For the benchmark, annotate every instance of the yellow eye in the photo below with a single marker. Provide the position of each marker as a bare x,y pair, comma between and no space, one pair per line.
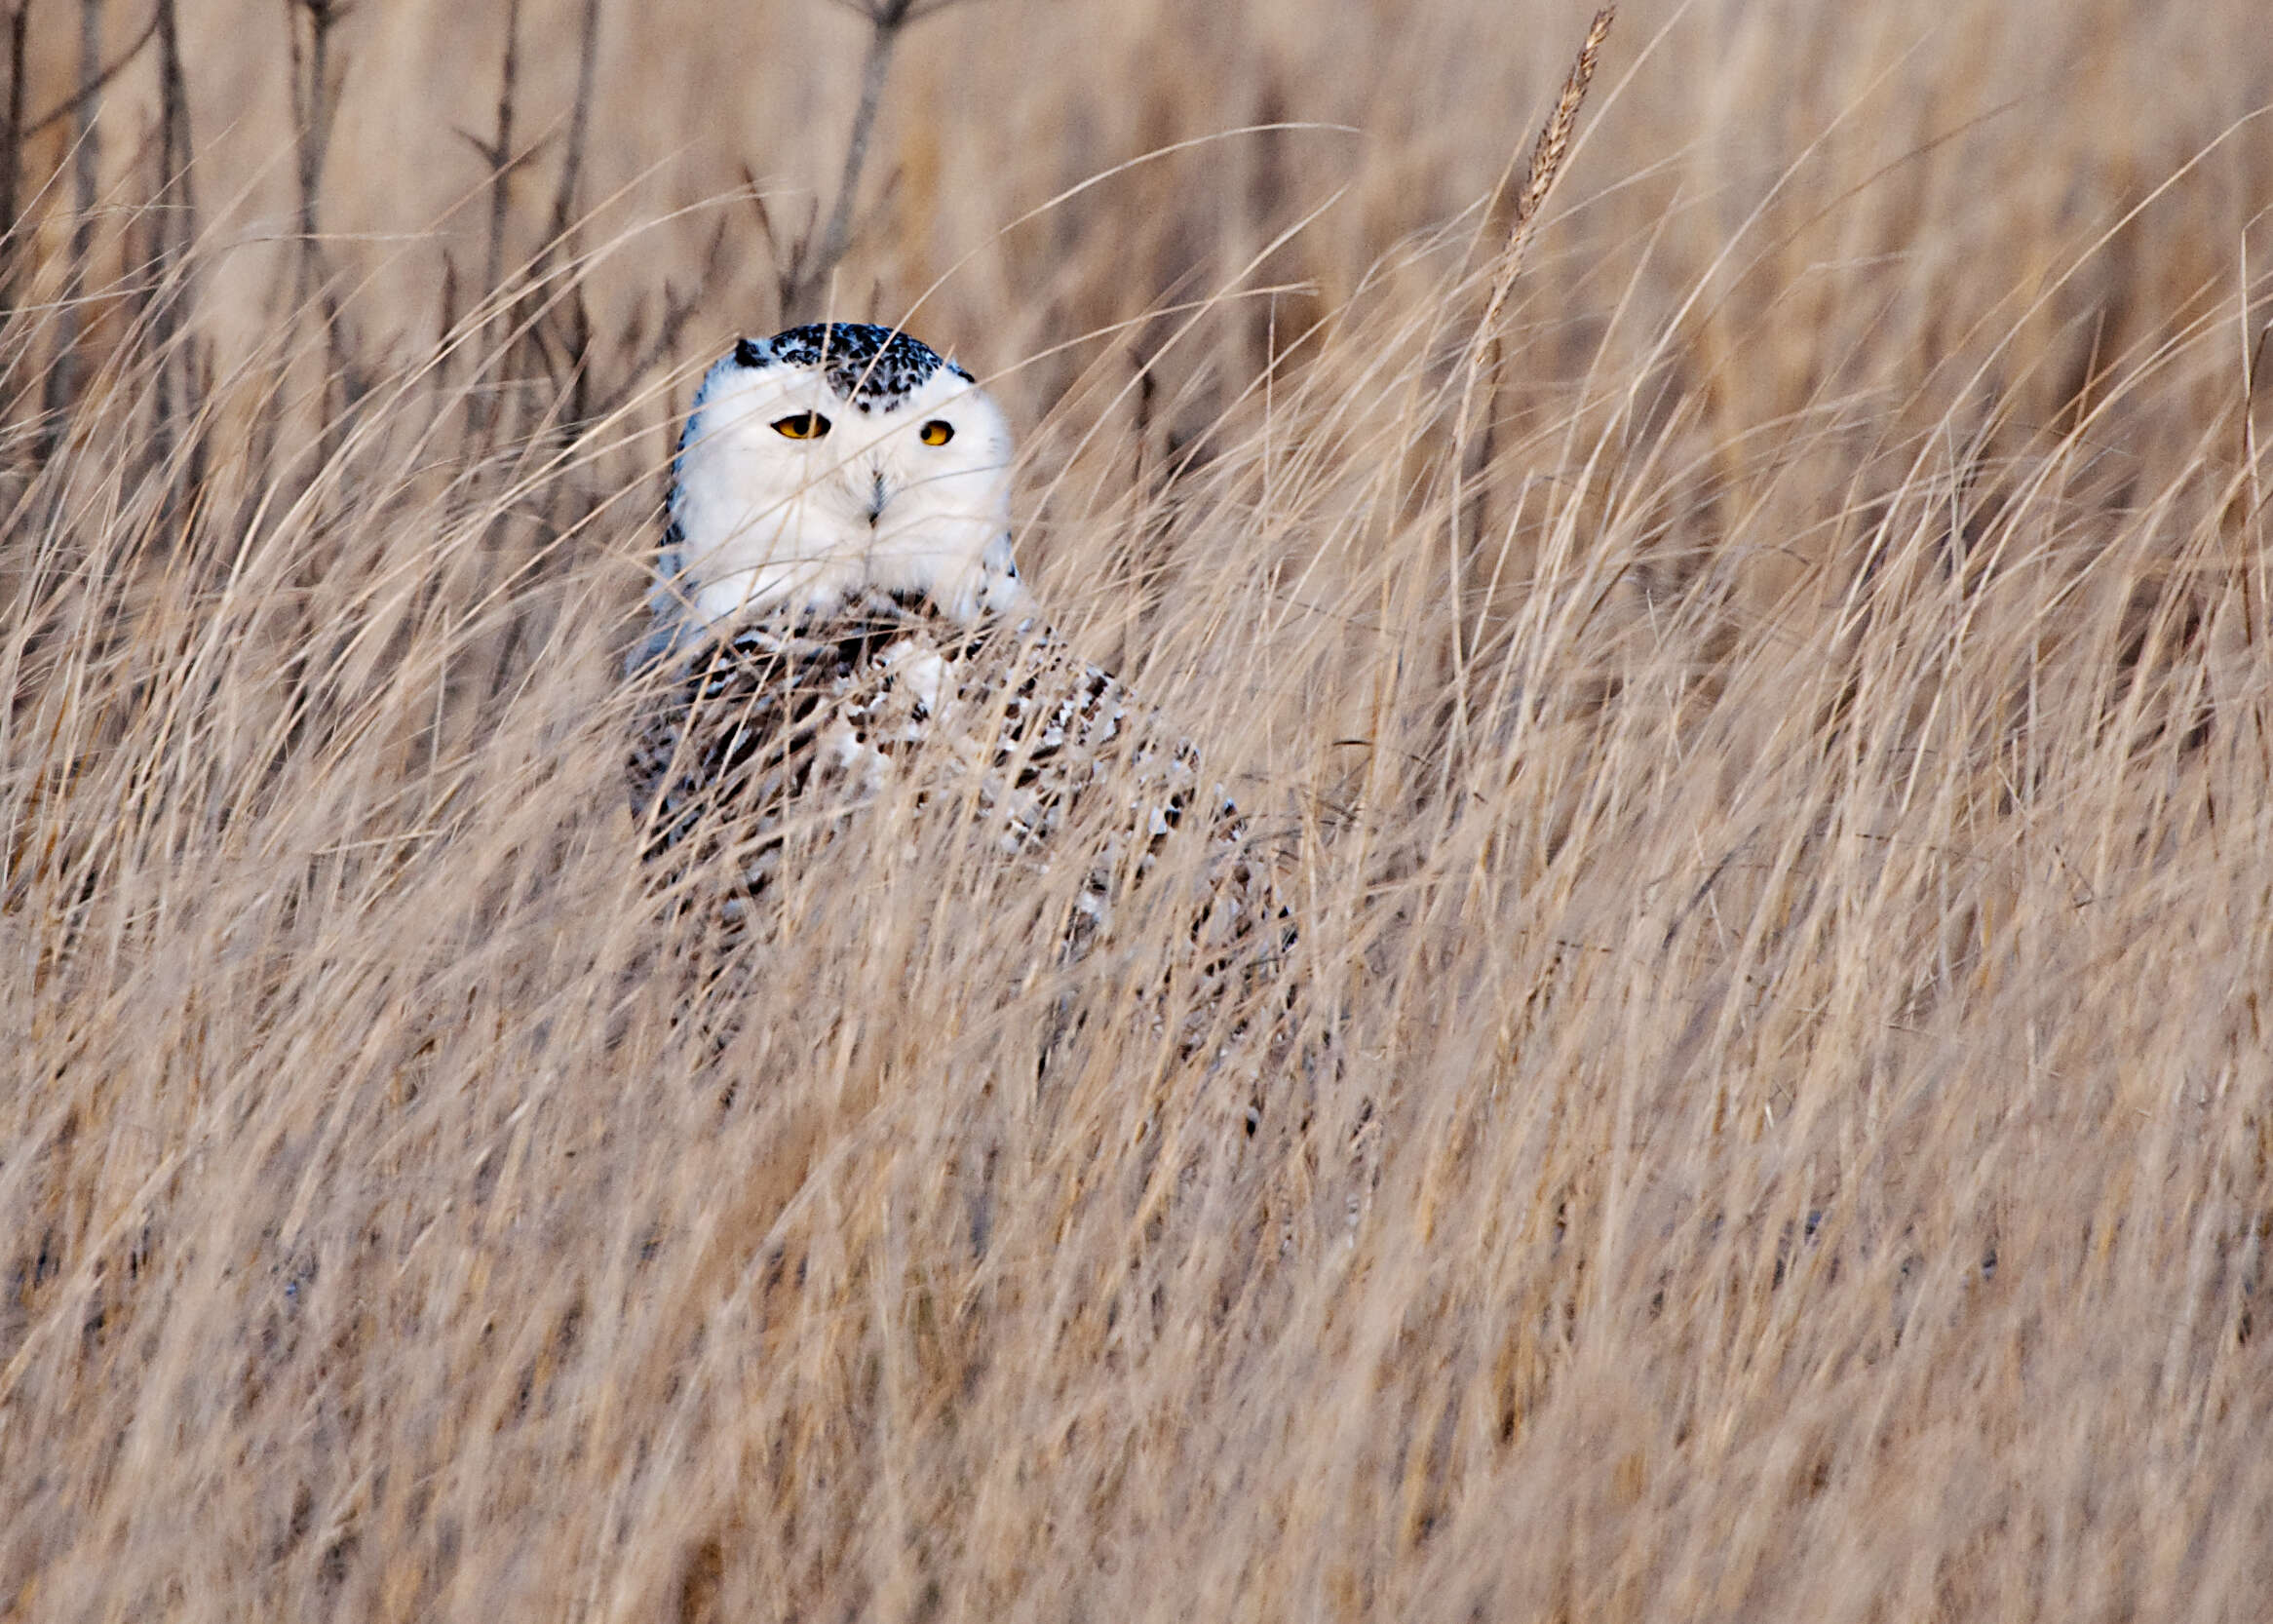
801,425
937,432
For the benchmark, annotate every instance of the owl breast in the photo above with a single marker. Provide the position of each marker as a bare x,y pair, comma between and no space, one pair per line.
823,716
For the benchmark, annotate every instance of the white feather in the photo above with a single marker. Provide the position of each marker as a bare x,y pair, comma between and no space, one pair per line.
765,521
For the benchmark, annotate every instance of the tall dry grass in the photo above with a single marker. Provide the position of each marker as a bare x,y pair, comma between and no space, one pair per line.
1774,788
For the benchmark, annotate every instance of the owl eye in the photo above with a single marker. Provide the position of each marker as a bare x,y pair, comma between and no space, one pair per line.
937,432
801,425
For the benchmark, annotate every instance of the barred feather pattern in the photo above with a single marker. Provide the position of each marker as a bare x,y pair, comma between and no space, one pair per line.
792,723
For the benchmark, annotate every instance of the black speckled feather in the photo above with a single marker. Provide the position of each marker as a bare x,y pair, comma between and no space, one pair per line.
801,720
868,366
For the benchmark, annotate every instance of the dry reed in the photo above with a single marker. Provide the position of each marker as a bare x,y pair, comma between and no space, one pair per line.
1780,1119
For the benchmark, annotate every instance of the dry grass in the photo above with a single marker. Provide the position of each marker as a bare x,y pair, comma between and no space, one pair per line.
1780,1120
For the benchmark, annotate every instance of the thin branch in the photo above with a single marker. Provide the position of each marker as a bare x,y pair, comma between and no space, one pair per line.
63,375
312,110
314,105
176,226
87,88
811,266
11,150
500,155
579,123
87,151
177,154
677,308
885,24
560,238
501,161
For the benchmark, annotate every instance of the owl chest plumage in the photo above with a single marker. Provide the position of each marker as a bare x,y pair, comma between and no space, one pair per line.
794,723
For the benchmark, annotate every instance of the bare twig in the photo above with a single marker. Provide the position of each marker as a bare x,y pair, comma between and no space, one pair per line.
315,103
12,149
2252,463
312,110
561,237
86,88
579,122
445,328
62,377
176,226
500,156
677,308
176,153
86,153
884,24
805,279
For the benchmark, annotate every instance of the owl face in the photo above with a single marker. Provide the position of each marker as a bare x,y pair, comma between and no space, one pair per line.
827,463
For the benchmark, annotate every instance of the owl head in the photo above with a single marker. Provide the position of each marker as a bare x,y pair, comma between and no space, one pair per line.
832,462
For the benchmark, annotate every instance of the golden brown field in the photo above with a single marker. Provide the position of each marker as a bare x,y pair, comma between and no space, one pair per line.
1772,1117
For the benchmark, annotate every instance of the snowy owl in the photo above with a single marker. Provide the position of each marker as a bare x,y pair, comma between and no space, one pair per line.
835,602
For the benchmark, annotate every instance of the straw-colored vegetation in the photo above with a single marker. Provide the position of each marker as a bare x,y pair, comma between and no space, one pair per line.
1768,736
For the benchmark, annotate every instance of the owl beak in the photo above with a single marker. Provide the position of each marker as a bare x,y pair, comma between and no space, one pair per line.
879,494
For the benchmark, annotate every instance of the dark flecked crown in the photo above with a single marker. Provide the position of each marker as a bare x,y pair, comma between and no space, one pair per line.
865,365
